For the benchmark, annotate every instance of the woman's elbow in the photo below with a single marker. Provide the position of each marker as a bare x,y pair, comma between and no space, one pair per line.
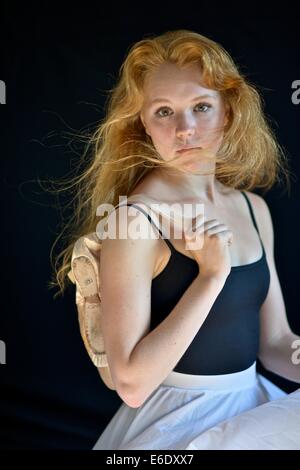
129,395
128,387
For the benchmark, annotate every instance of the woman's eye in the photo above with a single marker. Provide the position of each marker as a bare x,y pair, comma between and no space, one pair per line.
204,105
165,109
161,110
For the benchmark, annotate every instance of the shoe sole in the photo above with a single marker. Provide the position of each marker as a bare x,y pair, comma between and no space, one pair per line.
85,275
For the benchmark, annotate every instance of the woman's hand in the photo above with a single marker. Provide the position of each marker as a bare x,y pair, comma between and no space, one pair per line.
208,241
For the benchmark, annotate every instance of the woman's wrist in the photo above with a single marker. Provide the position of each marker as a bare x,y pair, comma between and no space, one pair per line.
212,280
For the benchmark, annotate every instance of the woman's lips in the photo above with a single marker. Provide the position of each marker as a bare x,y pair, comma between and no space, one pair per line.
188,150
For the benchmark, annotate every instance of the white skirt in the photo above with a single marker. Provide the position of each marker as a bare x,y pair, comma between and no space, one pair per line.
183,407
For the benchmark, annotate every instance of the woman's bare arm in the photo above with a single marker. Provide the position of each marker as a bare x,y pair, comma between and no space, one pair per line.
156,355
140,360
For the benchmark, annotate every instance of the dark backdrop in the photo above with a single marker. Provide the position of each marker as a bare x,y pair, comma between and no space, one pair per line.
56,65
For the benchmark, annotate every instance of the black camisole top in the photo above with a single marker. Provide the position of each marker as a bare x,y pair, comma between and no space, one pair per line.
228,340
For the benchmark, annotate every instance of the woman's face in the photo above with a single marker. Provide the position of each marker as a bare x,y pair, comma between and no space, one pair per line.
178,111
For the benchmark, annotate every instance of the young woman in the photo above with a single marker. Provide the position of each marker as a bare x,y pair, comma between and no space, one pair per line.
183,327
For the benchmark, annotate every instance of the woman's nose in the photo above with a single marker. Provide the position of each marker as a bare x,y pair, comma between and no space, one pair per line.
185,132
185,127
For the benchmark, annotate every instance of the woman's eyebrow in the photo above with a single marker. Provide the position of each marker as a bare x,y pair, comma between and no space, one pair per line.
159,100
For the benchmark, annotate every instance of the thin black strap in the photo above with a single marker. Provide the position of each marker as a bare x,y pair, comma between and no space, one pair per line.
151,221
253,217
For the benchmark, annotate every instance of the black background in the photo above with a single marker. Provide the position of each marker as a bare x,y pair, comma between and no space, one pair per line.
57,61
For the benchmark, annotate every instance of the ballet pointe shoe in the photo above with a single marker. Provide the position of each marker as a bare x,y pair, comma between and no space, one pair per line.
85,265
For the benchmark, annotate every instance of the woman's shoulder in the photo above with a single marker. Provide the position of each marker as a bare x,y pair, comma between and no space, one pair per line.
257,202
261,212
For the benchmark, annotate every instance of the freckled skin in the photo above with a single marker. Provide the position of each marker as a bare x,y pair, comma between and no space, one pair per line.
179,121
